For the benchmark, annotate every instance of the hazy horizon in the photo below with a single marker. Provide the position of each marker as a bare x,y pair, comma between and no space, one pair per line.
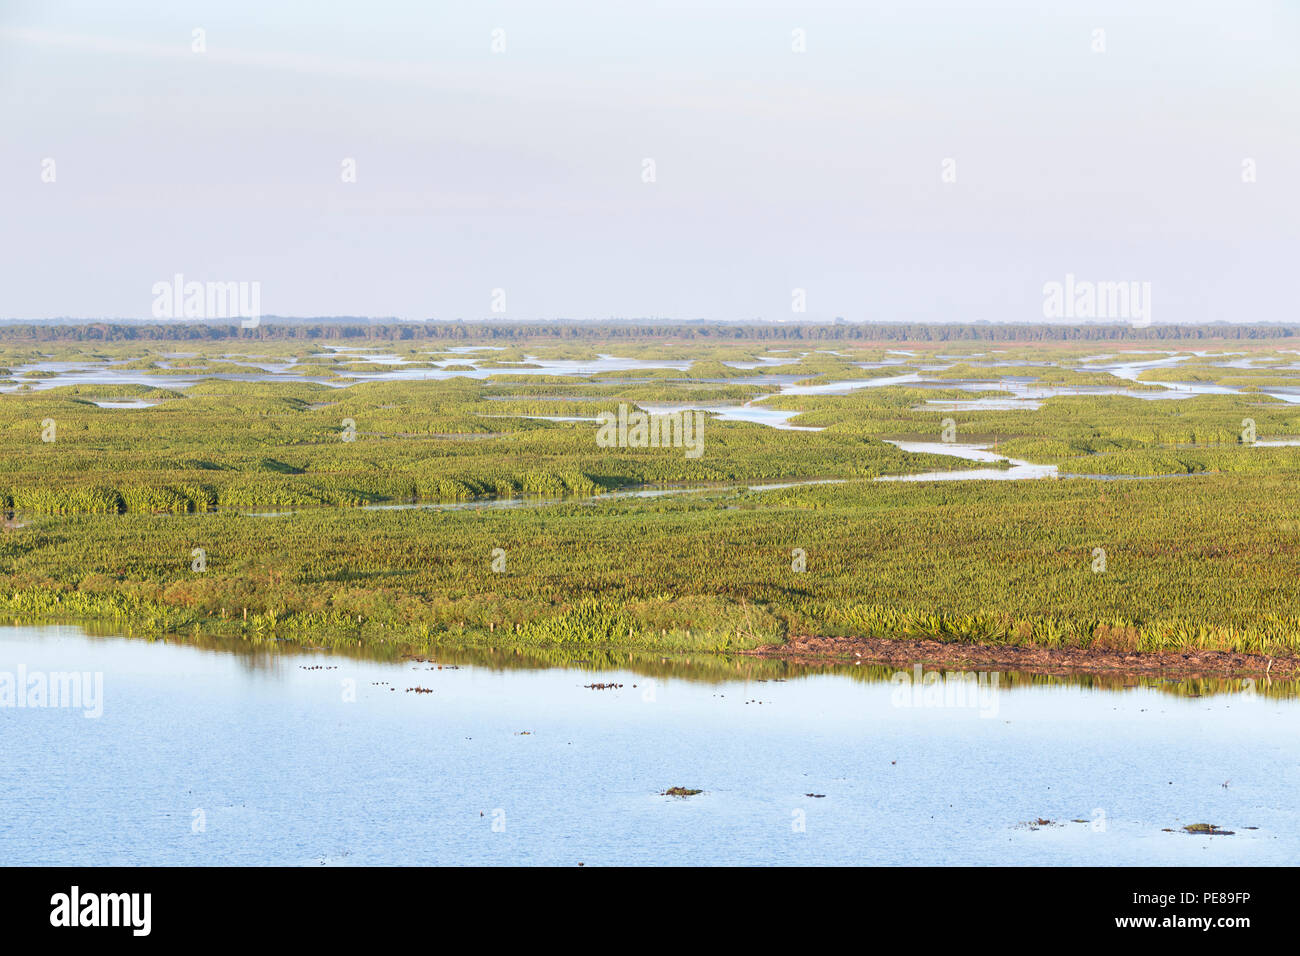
913,162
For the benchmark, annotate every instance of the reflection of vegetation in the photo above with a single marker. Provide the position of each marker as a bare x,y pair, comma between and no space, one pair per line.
695,667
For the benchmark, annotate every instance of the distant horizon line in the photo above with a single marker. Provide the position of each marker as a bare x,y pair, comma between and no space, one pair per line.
645,320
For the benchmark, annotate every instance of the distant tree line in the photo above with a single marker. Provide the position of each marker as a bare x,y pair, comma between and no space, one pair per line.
361,330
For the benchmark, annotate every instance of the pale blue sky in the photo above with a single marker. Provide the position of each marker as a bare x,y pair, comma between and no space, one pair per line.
775,170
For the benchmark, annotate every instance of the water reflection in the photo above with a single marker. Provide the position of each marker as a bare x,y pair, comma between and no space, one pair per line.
277,658
503,757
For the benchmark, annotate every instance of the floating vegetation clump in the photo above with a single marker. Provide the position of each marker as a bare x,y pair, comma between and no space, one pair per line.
1207,829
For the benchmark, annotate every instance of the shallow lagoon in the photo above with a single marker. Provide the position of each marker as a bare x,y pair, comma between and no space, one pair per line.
267,751
389,367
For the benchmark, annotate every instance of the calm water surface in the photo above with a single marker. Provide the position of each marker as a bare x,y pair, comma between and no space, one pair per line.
280,766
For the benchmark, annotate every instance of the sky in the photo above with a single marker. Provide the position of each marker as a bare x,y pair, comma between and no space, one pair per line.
685,159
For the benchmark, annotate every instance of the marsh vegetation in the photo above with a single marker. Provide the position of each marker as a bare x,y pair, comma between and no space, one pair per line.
266,458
